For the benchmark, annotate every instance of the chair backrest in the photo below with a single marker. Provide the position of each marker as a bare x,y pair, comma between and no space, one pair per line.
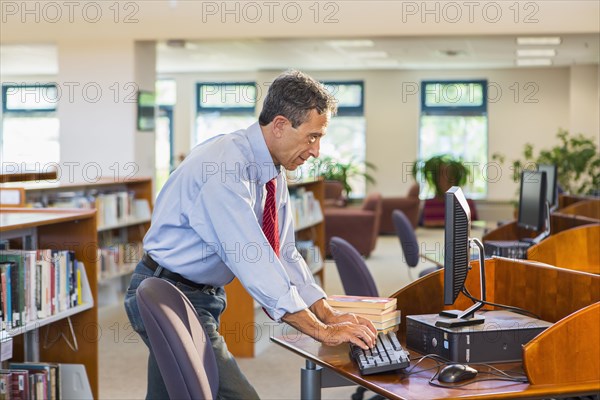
408,239
354,273
183,352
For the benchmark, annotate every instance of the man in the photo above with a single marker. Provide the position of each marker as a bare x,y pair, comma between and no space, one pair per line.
229,192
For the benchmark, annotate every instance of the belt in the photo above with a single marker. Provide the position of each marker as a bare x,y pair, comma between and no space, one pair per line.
165,273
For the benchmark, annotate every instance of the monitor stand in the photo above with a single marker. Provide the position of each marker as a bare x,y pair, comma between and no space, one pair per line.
456,318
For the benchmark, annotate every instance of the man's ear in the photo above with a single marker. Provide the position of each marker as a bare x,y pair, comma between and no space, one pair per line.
279,124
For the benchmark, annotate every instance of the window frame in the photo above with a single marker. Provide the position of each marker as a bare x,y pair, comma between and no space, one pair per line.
224,110
454,110
350,111
26,111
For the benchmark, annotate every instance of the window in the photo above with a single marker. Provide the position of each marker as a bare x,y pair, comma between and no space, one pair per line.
224,108
29,116
166,95
454,121
346,134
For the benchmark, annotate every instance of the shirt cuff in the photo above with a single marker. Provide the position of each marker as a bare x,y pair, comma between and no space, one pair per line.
311,293
291,302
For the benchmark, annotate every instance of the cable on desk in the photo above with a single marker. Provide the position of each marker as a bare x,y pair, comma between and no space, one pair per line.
489,303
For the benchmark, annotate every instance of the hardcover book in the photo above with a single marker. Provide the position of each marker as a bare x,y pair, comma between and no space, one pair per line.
379,303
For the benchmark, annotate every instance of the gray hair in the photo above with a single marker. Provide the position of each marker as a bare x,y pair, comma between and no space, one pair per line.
293,95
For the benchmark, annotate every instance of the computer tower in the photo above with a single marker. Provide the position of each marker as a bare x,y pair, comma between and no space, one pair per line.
506,248
499,339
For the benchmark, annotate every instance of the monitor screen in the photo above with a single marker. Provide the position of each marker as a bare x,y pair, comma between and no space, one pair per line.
456,243
532,200
551,189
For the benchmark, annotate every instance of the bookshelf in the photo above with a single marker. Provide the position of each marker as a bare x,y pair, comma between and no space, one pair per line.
124,208
241,323
57,229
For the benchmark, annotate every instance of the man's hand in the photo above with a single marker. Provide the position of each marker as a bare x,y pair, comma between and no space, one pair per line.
330,316
331,334
343,332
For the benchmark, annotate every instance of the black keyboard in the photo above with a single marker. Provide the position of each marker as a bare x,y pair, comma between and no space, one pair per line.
387,355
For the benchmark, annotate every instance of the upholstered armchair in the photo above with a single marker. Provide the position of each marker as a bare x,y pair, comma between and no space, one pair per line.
409,205
358,226
334,194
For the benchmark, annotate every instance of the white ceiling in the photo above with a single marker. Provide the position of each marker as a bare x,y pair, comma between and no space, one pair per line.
324,54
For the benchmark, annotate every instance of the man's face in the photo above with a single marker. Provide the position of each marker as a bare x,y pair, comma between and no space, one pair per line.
297,145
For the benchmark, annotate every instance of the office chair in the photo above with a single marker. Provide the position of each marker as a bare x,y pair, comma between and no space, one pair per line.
408,242
354,273
183,352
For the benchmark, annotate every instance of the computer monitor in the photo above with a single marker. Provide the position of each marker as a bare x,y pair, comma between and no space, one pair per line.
456,259
532,200
552,186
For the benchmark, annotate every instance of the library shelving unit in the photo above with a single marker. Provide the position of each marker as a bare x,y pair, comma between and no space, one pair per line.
119,233
57,229
240,324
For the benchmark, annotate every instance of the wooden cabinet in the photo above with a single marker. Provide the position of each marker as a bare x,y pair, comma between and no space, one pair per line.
73,230
239,326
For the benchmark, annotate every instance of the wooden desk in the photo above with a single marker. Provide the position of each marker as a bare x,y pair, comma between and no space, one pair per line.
558,222
570,348
575,248
586,208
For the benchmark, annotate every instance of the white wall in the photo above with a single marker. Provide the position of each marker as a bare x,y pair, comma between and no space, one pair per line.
584,95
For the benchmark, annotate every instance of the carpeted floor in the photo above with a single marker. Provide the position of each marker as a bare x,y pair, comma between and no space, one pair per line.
275,372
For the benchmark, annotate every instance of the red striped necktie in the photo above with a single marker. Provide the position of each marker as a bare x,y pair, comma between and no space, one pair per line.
270,224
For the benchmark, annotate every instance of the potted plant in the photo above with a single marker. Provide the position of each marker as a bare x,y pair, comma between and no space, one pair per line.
576,158
441,172
335,170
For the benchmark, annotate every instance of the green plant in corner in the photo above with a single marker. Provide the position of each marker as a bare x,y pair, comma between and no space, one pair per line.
441,172
334,170
576,158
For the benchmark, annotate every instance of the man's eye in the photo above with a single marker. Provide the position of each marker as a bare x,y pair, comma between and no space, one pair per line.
312,139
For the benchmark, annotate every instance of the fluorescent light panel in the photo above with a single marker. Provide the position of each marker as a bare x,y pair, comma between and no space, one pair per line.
536,52
533,62
542,41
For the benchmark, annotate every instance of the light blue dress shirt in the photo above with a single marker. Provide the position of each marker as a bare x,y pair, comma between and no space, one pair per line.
206,224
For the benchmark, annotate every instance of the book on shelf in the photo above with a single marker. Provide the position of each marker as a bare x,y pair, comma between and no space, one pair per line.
45,377
362,302
20,384
37,284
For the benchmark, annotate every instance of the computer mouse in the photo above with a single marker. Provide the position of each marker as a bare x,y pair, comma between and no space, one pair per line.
456,373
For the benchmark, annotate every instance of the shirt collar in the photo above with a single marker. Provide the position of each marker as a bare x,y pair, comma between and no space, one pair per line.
262,156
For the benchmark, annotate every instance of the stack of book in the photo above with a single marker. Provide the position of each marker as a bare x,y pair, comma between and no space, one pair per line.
381,311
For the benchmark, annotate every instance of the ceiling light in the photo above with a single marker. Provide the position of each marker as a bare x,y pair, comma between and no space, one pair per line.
536,52
369,54
543,41
452,53
531,62
351,43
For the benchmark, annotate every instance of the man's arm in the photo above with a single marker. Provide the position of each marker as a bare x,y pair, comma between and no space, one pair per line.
331,334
